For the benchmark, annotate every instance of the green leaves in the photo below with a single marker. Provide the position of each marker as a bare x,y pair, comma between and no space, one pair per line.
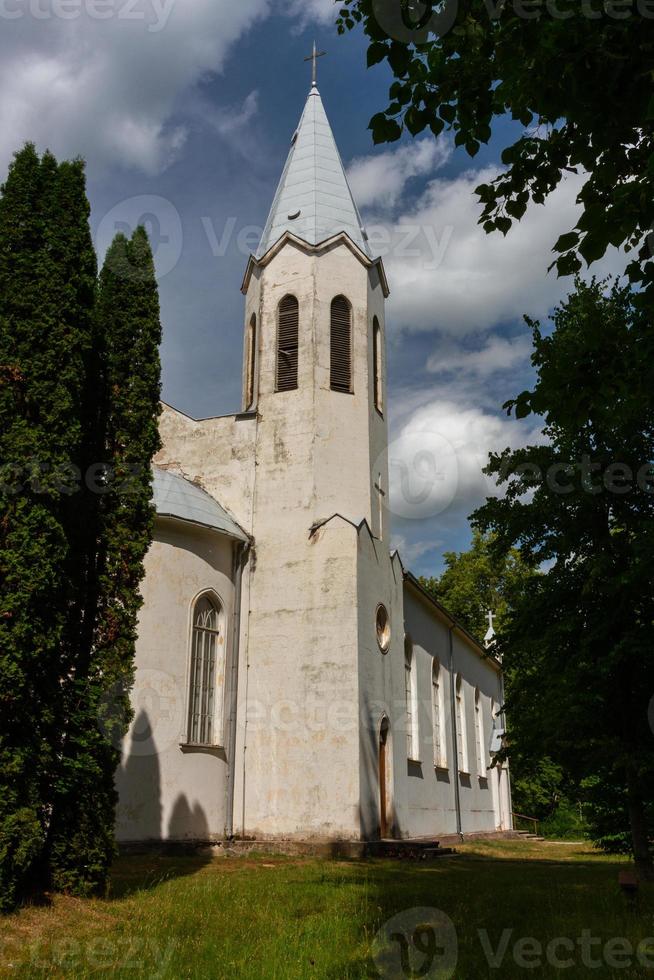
71,559
578,682
537,73
384,130
376,53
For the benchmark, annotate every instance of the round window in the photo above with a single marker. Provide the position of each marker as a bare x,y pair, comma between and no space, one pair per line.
383,628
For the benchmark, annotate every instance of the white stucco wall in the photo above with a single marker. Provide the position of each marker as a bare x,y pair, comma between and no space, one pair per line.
430,790
167,792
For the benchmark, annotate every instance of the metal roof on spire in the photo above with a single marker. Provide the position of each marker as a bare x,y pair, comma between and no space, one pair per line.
313,200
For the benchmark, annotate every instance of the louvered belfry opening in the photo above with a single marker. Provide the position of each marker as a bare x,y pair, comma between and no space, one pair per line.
377,365
341,345
251,361
287,344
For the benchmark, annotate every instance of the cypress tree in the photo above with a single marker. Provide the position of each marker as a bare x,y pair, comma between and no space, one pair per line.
47,287
128,335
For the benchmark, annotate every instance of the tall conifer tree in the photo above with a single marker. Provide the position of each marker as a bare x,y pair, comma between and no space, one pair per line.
47,286
128,337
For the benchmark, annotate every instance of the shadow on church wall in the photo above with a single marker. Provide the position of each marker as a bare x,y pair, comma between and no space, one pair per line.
186,822
138,782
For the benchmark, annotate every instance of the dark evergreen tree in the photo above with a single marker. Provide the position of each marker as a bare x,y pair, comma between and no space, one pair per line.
578,644
121,513
47,283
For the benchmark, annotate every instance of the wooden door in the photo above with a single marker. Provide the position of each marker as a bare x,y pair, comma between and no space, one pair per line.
383,772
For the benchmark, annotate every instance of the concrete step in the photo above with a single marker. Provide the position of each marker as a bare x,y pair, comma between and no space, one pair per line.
407,850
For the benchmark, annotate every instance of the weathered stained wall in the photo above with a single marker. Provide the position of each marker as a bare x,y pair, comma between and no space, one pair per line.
167,792
217,453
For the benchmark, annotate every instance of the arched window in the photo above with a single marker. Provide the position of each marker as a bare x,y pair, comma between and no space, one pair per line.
410,701
341,345
479,735
461,733
438,716
377,365
287,344
251,362
206,651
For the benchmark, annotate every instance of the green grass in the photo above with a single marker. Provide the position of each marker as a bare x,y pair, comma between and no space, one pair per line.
285,918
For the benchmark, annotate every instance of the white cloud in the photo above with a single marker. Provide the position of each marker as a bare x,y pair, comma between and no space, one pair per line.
412,551
320,11
380,179
106,79
437,457
108,89
446,273
498,354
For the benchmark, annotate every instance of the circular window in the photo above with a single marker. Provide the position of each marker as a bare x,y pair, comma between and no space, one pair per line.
383,628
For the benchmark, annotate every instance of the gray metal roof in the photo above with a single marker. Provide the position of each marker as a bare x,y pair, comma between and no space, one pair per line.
313,200
179,498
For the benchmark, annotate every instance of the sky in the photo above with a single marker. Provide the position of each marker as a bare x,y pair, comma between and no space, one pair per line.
184,109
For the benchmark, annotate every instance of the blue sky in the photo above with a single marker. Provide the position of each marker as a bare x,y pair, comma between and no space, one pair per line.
184,113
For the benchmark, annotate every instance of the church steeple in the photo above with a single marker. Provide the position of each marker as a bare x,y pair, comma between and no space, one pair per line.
313,200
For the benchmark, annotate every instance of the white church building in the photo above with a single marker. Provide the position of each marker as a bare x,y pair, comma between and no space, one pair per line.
294,681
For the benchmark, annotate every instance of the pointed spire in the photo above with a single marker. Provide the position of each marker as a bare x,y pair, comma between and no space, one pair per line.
313,199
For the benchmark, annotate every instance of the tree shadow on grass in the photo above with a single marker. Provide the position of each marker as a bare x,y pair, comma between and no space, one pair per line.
485,898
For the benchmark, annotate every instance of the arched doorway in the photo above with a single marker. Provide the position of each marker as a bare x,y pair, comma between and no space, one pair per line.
384,772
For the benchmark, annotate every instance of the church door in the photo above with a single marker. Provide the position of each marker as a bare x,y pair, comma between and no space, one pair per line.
383,778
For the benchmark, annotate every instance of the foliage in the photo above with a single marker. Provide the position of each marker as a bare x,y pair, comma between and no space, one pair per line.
578,645
79,403
121,514
46,300
475,582
537,65
567,823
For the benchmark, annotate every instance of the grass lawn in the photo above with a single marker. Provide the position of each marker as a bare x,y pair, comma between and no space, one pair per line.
268,917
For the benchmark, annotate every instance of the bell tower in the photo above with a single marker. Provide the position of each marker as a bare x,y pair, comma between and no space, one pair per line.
314,373
314,355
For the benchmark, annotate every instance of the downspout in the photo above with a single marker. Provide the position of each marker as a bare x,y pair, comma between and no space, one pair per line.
455,736
240,556
509,795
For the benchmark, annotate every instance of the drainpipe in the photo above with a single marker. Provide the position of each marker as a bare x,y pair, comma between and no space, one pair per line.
455,737
240,556
509,794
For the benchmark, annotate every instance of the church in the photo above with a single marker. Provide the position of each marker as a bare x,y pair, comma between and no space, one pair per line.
294,681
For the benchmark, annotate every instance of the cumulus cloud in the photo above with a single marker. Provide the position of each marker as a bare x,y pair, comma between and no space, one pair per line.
437,457
106,79
108,88
412,551
447,274
380,179
496,355
306,11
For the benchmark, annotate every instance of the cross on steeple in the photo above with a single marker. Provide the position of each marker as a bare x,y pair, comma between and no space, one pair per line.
314,68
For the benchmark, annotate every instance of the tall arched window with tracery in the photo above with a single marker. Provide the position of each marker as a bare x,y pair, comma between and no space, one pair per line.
206,671
288,316
340,369
438,716
461,732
